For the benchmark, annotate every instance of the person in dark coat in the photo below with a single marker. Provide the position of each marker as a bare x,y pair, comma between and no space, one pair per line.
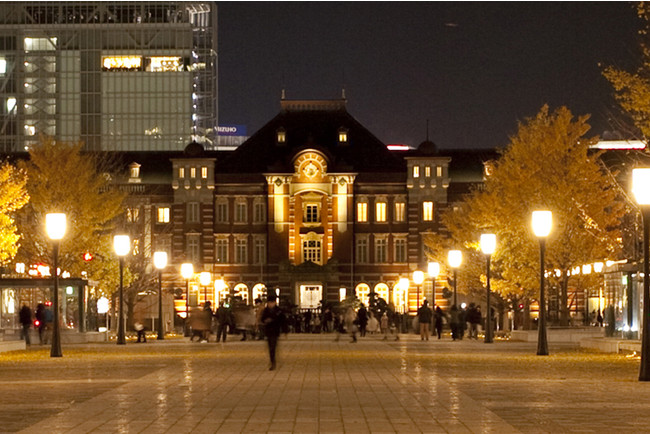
42,321
273,321
25,317
454,322
424,318
224,319
439,318
362,319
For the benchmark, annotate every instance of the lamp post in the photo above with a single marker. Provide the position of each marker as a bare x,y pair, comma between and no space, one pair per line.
160,262
542,222
433,270
418,278
455,258
488,245
187,271
55,225
641,190
122,246
205,278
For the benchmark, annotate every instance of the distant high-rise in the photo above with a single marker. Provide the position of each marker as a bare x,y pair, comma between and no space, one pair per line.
128,76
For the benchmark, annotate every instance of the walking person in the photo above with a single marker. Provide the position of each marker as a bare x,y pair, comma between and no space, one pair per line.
454,322
362,319
223,321
424,319
383,324
438,321
25,317
41,318
273,320
350,323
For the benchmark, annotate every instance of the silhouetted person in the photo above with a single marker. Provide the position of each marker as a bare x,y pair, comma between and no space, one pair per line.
273,321
424,318
362,319
42,321
25,317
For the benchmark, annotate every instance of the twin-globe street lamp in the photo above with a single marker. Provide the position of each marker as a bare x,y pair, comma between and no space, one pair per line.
641,190
122,247
542,222
187,271
488,245
55,225
160,262
455,258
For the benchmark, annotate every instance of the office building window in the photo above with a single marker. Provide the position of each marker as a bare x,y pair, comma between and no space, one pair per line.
400,250
380,250
362,250
380,212
163,214
222,212
241,212
221,250
311,213
193,212
427,211
362,212
400,211
241,251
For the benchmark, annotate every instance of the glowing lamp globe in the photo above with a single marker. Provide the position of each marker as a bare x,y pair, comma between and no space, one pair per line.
205,278
55,225
122,245
455,258
187,270
160,260
433,269
641,185
418,277
488,243
542,223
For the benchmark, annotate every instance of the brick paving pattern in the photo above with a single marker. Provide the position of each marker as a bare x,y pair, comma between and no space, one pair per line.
375,386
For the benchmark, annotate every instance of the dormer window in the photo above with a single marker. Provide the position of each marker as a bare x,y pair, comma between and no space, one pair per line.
204,172
439,171
427,171
343,135
192,172
134,172
281,136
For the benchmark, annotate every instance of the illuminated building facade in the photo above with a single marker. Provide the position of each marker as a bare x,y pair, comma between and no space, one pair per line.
119,76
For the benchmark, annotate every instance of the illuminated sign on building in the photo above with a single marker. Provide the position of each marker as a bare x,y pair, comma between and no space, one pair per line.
122,62
231,130
165,63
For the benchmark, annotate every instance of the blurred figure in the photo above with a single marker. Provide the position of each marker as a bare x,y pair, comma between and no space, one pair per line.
350,326
424,319
439,321
362,320
273,320
42,322
223,321
25,317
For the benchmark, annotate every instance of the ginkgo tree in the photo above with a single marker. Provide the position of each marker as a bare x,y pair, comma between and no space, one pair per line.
548,164
13,197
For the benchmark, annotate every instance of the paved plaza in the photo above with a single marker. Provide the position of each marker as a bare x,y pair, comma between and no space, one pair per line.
320,385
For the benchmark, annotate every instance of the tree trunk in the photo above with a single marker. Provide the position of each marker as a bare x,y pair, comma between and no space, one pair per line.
527,322
564,300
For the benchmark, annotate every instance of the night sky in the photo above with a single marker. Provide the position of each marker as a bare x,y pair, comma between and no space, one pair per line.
472,69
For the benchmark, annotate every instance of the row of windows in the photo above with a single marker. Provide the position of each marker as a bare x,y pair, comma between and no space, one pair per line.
427,171
222,251
381,215
380,250
193,171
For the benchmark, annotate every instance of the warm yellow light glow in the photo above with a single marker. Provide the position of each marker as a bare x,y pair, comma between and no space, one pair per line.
427,211
455,258
165,63
187,270
55,225
205,278
488,243
586,269
641,185
418,277
598,267
160,260
122,62
433,269
542,222
219,285
122,244
403,283
342,294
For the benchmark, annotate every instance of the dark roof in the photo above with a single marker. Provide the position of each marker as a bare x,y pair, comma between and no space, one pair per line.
312,125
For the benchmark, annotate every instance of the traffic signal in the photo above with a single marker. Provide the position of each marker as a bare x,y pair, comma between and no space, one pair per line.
88,256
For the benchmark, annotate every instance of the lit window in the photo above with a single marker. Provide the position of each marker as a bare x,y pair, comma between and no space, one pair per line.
439,171
39,44
121,63
204,172
427,171
11,104
400,211
380,250
163,214
400,250
281,135
181,172
192,172
416,171
311,213
134,168
3,65
380,211
362,212
343,135
132,215
311,251
427,211
30,130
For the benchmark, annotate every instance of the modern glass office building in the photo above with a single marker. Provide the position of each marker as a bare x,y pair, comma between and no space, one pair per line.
127,76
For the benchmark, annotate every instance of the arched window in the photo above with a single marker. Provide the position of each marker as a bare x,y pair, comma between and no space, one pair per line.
221,291
259,291
241,290
381,289
362,290
400,295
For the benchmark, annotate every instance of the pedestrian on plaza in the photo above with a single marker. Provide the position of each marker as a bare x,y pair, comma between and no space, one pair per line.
373,324
610,320
383,324
439,321
454,322
207,318
273,320
224,319
49,324
259,327
351,321
462,321
139,328
40,317
424,319
362,319
328,319
474,319
25,317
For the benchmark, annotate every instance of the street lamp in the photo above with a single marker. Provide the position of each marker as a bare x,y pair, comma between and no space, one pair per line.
455,258
641,190
488,245
55,225
433,270
122,246
160,262
187,271
205,278
542,222
418,278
